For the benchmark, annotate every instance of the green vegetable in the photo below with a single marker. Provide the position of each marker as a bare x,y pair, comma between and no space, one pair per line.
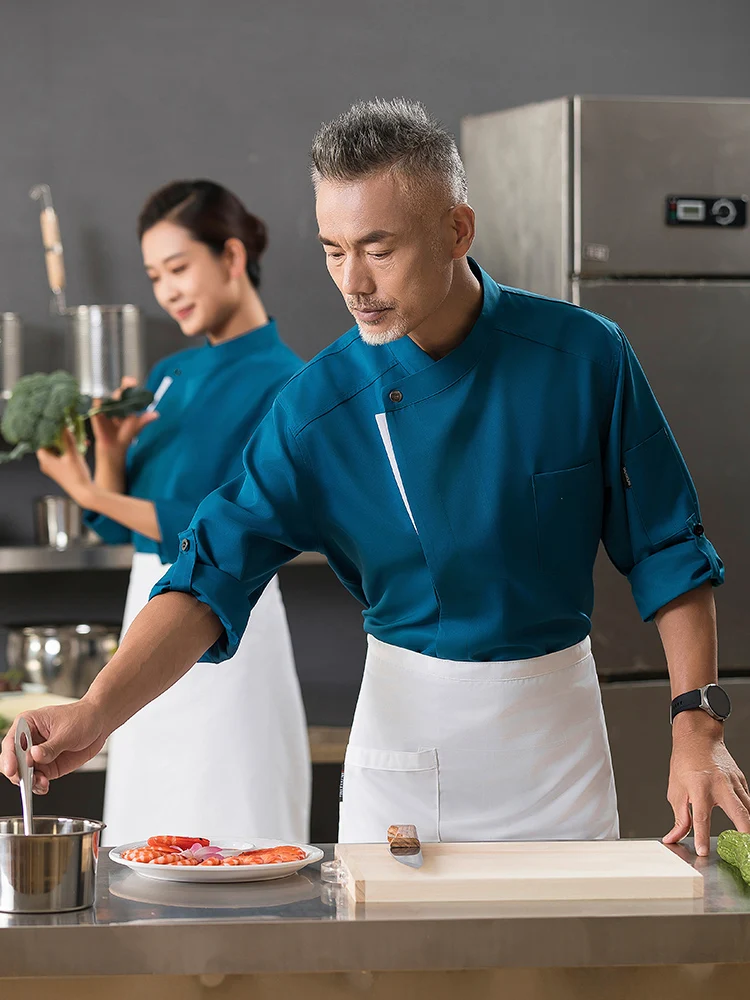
734,848
131,401
43,406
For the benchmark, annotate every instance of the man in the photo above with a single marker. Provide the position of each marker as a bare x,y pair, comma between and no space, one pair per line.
457,457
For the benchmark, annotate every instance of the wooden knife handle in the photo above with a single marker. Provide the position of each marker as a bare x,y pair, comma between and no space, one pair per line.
403,837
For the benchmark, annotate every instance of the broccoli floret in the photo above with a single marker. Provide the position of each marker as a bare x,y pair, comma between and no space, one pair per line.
42,406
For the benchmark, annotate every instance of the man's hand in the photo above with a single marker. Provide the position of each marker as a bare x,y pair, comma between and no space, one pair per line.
703,774
64,738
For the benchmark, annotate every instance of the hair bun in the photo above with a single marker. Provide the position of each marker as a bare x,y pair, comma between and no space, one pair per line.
257,235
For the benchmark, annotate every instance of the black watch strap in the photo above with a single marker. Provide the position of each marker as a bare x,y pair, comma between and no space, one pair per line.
684,702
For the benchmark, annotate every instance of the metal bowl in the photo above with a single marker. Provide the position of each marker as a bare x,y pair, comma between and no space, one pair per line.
61,659
51,871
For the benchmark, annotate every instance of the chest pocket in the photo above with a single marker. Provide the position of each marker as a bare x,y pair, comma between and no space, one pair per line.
569,520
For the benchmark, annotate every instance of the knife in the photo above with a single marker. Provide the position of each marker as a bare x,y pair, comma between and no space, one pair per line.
404,845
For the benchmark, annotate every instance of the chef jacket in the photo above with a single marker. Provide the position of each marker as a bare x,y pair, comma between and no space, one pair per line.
460,500
211,400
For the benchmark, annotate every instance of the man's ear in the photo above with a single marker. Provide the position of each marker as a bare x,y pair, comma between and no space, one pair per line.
464,229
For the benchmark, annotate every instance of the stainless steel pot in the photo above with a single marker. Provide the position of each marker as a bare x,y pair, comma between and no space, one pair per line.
58,523
106,343
51,871
61,659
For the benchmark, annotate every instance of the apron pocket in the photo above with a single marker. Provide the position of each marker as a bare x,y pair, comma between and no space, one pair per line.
383,787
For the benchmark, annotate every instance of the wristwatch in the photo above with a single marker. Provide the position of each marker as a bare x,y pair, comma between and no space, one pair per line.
711,699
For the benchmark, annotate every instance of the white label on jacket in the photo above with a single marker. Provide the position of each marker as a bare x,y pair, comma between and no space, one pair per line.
385,434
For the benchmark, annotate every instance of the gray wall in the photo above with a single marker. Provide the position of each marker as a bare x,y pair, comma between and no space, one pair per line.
104,102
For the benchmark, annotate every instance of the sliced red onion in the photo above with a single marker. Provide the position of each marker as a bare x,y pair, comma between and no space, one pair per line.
206,852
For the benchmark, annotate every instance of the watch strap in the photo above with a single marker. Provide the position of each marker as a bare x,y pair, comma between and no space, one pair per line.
686,701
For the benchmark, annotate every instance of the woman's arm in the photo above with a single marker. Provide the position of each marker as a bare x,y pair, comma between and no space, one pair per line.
109,469
71,472
135,514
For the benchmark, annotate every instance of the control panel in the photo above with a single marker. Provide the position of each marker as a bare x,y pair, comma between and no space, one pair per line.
696,210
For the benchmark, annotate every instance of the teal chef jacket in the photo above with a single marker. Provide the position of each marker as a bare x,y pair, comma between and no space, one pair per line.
213,399
461,501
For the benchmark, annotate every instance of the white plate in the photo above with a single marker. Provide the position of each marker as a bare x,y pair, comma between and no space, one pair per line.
294,888
235,873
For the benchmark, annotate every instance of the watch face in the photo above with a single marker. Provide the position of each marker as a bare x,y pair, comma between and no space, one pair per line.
718,701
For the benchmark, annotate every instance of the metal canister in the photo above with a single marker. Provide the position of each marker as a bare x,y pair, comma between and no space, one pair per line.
106,344
11,364
51,871
58,523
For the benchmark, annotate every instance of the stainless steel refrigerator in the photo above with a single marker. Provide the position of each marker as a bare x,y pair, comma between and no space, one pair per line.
637,209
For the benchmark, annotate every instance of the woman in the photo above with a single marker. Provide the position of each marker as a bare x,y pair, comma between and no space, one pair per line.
236,735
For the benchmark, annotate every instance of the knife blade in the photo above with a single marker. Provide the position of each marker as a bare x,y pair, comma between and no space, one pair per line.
404,845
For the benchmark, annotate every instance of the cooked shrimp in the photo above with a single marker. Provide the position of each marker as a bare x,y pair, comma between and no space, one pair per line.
182,843
171,859
268,856
273,855
145,854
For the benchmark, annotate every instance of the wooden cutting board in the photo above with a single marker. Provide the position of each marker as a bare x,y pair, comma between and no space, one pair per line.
624,869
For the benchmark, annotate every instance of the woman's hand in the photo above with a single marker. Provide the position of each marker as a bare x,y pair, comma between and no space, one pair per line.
69,470
114,435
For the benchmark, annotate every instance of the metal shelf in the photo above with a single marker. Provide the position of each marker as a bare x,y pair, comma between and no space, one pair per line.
38,559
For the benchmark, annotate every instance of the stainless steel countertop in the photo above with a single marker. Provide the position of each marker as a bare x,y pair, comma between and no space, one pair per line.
300,925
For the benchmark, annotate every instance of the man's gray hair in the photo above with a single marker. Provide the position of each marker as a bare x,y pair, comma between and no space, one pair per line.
398,135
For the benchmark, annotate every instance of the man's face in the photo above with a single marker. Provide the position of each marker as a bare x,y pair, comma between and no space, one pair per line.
389,247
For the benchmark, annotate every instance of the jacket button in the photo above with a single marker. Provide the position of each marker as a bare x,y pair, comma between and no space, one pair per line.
395,395
185,545
698,529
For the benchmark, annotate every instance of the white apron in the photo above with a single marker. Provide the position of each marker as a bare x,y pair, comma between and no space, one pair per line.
479,751
224,753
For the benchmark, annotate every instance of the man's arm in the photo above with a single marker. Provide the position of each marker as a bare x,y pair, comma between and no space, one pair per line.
702,771
165,640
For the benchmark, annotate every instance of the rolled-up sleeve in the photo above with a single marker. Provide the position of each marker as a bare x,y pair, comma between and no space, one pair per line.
110,532
172,516
652,531
245,531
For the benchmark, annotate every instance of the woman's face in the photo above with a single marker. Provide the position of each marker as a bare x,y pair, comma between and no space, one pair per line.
197,288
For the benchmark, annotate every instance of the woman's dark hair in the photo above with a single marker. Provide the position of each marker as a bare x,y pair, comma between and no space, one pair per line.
211,214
